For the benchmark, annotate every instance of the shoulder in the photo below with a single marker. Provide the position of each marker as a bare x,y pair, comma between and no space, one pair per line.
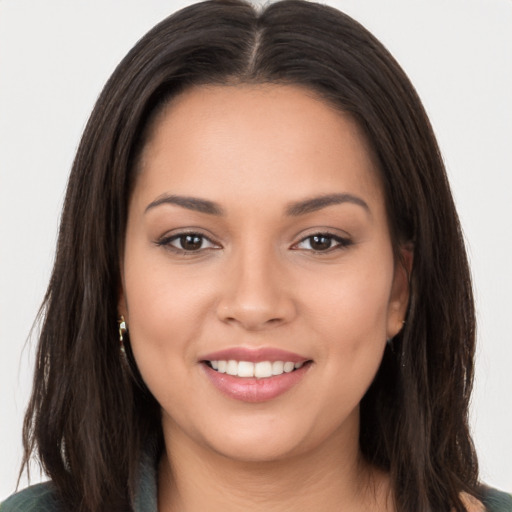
494,500
37,498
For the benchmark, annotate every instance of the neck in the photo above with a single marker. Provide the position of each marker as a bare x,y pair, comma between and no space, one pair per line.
331,478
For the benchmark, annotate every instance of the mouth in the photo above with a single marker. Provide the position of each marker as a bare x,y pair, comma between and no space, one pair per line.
258,370
253,374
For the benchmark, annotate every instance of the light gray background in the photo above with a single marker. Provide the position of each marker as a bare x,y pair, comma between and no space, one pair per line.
56,55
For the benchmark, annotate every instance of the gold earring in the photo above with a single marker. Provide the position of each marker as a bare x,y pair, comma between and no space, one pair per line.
122,331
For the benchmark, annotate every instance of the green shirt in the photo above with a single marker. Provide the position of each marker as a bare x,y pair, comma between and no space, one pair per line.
42,497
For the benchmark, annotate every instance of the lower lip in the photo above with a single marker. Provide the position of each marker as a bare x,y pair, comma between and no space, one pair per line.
250,389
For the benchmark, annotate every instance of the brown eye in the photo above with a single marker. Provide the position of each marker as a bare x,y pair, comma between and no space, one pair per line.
187,243
322,242
190,242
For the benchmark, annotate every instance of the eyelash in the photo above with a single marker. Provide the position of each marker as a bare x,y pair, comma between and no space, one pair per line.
340,242
167,242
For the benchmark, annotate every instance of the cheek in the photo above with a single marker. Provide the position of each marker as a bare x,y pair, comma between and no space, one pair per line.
351,304
165,313
349,315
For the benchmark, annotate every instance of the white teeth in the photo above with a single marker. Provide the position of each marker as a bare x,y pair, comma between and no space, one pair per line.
246,369
277,367
289,367
232,367
261,370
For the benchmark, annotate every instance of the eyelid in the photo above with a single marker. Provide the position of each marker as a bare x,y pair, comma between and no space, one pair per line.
342,241
165,241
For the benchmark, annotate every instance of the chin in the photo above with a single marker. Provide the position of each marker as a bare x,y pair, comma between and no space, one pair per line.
270,439
258,451
248,438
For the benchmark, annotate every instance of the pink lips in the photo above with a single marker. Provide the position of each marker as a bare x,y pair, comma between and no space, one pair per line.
254,355
251,389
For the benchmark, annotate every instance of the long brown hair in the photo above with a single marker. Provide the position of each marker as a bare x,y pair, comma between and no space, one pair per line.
88,417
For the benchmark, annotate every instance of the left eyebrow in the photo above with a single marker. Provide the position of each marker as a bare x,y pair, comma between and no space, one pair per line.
317,203
190,203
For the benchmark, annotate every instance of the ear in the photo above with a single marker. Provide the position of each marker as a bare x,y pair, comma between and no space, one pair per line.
400,291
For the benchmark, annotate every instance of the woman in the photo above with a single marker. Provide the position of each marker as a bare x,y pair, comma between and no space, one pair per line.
271,308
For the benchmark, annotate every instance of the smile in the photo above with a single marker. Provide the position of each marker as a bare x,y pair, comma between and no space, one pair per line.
260,370
251,374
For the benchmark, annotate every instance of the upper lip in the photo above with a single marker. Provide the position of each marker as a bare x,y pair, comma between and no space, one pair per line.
254,355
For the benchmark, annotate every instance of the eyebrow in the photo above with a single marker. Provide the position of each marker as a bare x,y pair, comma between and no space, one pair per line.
317,203
294,209
190,203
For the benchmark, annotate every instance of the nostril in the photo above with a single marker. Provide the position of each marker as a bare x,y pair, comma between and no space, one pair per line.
255,311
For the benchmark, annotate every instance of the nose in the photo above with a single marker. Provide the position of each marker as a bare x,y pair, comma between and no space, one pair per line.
256,292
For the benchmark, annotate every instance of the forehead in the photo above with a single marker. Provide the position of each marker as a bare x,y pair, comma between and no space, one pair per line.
260,140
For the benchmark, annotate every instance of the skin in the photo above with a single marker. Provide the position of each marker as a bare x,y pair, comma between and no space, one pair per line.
256,281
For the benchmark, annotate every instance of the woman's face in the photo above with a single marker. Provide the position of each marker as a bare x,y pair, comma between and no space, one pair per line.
257,242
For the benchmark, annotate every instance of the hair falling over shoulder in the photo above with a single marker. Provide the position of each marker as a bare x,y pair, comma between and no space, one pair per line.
89,417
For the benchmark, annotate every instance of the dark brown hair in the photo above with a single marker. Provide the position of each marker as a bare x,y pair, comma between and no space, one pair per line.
88,417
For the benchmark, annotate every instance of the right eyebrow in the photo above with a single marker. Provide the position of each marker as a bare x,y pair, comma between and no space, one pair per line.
190,203
317,203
